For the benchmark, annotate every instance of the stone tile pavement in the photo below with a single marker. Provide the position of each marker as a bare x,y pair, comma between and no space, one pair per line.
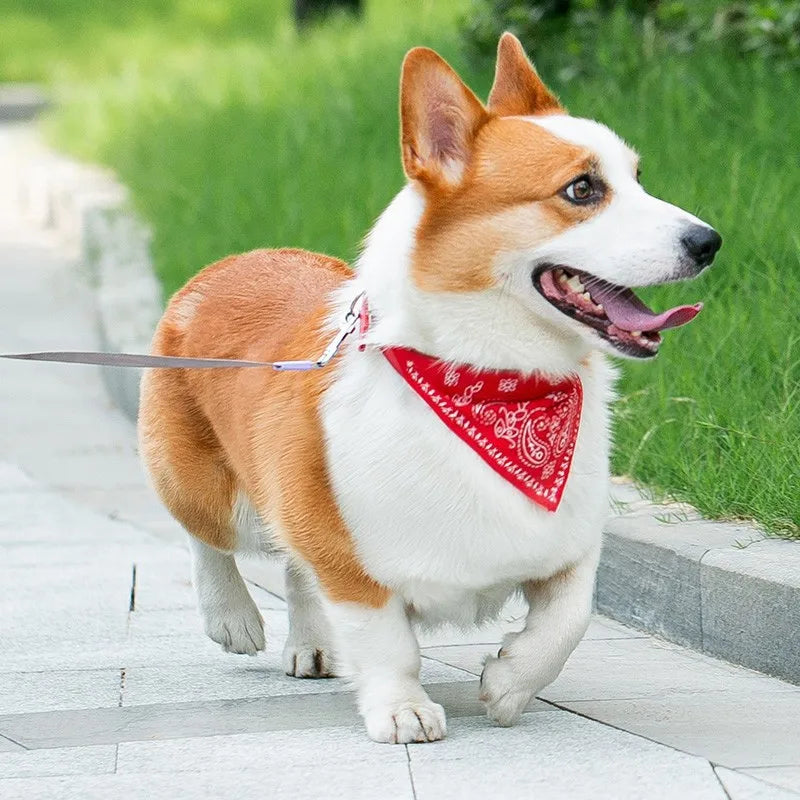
108,686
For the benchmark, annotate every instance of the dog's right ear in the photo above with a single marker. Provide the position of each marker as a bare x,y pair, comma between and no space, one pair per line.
518,91
439,119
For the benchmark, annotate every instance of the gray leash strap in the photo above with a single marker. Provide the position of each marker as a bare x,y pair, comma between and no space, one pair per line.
351,321
158,362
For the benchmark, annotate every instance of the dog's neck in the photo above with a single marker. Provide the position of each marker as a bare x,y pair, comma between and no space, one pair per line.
491,329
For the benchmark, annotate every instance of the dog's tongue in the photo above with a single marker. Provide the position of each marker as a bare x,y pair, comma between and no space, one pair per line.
629,313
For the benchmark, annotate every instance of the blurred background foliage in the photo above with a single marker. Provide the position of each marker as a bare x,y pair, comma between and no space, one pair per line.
768,29
236,128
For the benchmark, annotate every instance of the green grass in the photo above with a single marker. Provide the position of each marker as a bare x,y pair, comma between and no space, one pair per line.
234,132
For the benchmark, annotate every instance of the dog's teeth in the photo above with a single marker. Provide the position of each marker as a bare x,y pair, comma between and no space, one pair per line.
599,307
636,333
587,297
575,284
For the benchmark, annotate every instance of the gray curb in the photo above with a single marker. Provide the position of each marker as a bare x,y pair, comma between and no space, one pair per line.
719,588
91,214
21,101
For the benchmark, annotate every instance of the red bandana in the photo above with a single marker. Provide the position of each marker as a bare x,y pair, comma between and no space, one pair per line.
524,428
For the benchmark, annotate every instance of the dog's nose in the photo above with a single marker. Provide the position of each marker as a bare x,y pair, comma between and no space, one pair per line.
701,244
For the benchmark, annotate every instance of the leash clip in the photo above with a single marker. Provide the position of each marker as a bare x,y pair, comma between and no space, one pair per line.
351,321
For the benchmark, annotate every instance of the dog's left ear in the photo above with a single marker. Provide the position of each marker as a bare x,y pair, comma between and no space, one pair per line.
518,90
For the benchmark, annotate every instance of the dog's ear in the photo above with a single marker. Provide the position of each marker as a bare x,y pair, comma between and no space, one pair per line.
439,119
518,90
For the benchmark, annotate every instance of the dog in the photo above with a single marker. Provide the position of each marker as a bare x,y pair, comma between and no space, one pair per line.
455,451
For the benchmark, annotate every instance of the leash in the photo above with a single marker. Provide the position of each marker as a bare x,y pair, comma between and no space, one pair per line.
354,316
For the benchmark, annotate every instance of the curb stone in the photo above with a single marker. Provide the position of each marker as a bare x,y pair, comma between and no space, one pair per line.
21,101
720,588
91,214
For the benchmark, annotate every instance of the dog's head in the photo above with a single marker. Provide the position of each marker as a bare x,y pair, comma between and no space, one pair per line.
521,200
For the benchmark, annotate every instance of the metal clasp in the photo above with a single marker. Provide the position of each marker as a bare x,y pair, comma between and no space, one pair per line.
349,326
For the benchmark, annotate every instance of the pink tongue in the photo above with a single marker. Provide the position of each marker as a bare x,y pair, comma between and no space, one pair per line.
629,313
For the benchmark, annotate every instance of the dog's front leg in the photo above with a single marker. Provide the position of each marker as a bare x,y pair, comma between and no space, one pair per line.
378,648
559,611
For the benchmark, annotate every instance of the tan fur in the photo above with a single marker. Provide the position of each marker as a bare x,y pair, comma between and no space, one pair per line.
506,201
518,90
207,434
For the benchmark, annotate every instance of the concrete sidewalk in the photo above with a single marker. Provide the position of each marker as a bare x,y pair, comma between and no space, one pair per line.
108,686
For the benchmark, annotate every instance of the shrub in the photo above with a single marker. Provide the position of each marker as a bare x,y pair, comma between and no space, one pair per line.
769,29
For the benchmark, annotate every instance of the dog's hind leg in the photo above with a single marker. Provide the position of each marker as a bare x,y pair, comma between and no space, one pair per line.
189,472
230,616
308,652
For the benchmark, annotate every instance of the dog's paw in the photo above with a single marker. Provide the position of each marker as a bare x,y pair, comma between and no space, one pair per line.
503,692
304,660
418,721
238,627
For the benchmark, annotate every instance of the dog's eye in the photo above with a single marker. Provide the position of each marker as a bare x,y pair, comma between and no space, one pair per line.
581,190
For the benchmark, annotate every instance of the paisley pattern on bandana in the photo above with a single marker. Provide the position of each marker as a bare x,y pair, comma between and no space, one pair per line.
523,426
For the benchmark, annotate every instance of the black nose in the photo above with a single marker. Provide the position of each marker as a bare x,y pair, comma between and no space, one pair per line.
701,244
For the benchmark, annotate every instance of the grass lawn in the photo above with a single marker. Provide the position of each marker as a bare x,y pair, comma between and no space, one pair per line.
233,132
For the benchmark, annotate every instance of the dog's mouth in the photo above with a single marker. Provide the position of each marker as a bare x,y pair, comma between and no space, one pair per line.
614,312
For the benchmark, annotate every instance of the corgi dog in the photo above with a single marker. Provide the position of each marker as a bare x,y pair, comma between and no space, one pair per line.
400,485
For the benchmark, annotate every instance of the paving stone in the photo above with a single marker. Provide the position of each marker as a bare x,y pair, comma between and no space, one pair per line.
164,583
252,752
55,691
61,761
68,602
119,652
91,466
604,628
470,656
13,479
325,782
28,634
734,729
555,755
214,717
512,619
52,520
745,787
28,554
467,657
647,667
751,606
7,746
237,677
269,573
785,777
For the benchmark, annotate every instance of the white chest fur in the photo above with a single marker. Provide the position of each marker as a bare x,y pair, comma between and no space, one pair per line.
429,518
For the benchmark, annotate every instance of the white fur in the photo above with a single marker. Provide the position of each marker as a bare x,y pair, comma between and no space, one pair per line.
230,616
429,519
253,536
635,240
309,651
378,647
